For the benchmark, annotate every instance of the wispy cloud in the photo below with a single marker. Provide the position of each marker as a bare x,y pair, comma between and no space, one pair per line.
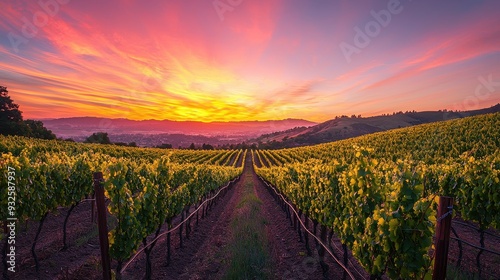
266,60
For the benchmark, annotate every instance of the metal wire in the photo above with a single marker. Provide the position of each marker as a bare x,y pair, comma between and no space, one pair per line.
450,212
315,237
477,247
350,262
176,227
476,228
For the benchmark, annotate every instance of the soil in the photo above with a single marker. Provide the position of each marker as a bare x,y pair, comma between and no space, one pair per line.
489,263
205,253
54,262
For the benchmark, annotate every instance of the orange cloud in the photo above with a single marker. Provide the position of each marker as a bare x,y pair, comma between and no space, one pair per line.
178,60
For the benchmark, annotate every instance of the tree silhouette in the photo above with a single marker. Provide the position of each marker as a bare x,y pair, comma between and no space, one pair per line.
207,147
165,146
37,130
99,137
11,119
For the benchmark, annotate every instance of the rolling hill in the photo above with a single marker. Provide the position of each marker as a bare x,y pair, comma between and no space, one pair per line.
348,127
80,127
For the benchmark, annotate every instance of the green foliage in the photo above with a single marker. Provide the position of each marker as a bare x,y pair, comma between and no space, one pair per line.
381,201
144,195
145,186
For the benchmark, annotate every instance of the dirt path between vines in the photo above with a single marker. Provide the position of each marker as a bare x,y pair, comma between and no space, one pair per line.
208,252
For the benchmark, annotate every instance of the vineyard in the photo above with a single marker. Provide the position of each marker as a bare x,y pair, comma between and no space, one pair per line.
378,193
146,188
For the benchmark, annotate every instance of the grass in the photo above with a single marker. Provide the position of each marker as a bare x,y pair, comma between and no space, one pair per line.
248,248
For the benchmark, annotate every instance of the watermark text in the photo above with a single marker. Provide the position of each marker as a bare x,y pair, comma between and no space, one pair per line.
11,219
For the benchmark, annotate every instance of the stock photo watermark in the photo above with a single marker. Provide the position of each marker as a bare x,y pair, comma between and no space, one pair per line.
148,83
39,19
485,87
307,267
223,6
363,36
10,223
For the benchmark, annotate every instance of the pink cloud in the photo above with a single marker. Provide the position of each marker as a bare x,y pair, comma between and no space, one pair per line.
267,54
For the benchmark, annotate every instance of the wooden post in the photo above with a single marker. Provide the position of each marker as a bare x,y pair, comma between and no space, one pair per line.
346,260
294,219
180,230
92,208
169,254
321,251
299,227
188,223
442,242
197,205
102,225
306,234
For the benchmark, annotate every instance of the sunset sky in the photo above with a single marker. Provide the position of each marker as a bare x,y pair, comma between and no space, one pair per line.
228,60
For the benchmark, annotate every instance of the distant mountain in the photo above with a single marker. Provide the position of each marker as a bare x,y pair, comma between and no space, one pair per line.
345,127
79,127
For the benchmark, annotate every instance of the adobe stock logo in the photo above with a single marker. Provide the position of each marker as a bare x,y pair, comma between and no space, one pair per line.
485,87
363,37
223,6
39,19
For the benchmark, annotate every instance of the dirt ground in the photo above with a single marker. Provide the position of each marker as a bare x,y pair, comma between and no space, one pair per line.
205,253
489,263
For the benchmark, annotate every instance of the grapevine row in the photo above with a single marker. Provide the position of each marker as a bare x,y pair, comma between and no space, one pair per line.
144,190
378,192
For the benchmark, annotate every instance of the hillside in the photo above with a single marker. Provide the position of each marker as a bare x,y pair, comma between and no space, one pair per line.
345,127
84,126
